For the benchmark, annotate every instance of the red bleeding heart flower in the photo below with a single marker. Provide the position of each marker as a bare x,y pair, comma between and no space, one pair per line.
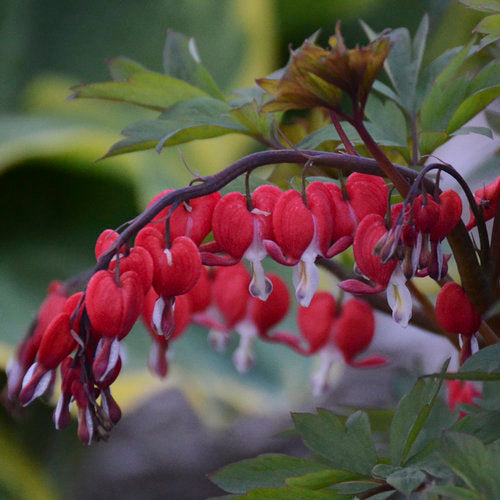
487,199
158,363
388,276
301,234
461,392
113,308
240,232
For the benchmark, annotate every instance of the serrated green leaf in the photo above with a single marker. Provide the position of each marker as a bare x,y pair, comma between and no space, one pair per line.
472,106
264,471
320,479
189,120
474,130
148,89
441,104
476,464
351,449
453,492
121,68
406,480
482,5
410,416
181,60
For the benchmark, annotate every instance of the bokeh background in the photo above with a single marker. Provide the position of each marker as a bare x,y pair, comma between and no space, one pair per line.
55,200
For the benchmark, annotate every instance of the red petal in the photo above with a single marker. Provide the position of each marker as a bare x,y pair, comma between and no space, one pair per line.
57,342
265,198
367,194
233,225
316,321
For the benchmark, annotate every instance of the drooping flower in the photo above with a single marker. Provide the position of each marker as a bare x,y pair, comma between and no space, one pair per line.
303,233
487,199
456,314
461,392
240,233
388,276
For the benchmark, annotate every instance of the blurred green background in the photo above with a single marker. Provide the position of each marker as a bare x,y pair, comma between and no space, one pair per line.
54,200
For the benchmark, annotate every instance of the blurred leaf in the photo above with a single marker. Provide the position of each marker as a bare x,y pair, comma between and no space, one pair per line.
430,73
410,416
264,471
429,141
355,487
351,449
471,106
384,470
475,463
490,26
451,69
245,109
199,118
321,479
181,60
487,360
147,88
406,480
122,68
483,5
386,91
489,76
474,130
490,399
388,119
441,103
20,475
484,425
452,492
292,494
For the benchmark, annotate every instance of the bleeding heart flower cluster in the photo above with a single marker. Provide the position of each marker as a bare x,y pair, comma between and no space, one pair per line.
172,276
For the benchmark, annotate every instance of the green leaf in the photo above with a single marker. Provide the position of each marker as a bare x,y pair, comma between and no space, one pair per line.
351,449
472,106
474,130
121,68
320,479
406,480
386,91
476,464
429,141
199,118
489,76
245,109
388,120
482,5
431,72
355,487
148,89
384,470
487,360
451,69
484,425
268,470
453,492
181,60
490,26
419,42
410,416
292,494
441,103
491,396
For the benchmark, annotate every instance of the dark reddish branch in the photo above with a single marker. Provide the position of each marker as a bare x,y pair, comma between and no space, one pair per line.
217,181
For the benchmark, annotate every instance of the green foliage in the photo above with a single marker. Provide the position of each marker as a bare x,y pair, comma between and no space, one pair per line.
431,452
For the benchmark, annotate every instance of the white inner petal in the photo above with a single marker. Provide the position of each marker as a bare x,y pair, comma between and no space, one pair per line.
399,297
